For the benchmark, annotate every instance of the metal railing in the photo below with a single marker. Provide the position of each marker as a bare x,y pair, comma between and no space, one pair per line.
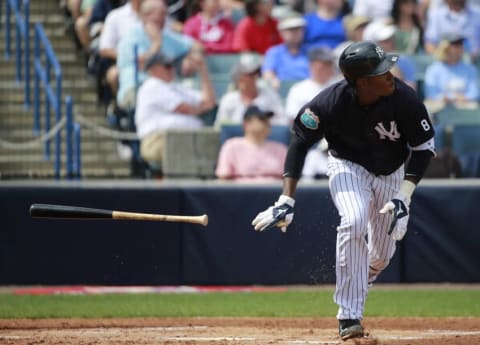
44,61
21,12
72,142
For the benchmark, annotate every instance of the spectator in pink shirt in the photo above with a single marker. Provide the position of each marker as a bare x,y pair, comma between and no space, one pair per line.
211,27
252,158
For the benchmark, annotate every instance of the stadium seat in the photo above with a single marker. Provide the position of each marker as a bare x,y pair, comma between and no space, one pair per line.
452,116
440,138
221,83
221,63
285,87
279,133
421,61
466,144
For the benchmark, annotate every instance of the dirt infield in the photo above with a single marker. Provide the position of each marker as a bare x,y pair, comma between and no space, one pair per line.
235,331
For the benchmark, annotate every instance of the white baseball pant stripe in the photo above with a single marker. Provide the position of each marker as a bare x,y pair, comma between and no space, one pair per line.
364,247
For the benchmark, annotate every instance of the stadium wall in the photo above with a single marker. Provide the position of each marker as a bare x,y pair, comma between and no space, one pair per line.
441,244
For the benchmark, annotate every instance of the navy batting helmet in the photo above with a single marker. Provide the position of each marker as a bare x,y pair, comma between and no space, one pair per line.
365,58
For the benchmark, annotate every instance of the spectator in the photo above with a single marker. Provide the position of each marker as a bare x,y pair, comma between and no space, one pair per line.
177,13
99,13
383,34
163,104
258,30
288,60
148,38
324,26
458,18
409,34
354,27
81,11
450,80
249,89
211,28
117,24
374,9
233,9
316,161
323,73
252,157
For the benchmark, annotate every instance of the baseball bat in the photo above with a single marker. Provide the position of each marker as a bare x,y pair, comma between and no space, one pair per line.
75,212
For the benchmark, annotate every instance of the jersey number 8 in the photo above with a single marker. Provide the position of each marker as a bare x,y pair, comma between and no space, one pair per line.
425,125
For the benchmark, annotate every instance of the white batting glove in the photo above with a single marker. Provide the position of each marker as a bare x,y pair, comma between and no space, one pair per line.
280,214
399,207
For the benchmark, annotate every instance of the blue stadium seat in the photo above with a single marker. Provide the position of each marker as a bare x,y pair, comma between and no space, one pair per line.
279,133
466,144
440,140
221,63
421,61
451,116
285,87
220,83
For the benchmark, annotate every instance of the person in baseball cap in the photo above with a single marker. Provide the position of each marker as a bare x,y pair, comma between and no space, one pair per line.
262,159
291,21
455,39
255,111
159,58
287,61
248,64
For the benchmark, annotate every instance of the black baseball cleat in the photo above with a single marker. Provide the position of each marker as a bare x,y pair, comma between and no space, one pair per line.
350,328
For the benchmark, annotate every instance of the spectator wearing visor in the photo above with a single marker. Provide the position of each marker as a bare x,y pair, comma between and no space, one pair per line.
288,60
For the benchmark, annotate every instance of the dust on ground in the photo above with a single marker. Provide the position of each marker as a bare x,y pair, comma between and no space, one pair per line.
235,331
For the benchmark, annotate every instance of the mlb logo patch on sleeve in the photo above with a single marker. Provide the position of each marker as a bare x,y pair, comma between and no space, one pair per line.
309,119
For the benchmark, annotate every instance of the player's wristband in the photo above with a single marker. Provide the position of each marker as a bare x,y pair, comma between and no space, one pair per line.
285,199
406,190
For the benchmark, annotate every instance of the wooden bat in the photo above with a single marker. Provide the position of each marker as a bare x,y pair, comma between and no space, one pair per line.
75,212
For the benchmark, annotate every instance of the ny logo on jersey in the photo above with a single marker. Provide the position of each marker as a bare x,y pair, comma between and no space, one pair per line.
391,134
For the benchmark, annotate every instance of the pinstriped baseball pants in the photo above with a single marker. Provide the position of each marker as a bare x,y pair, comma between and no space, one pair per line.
364,247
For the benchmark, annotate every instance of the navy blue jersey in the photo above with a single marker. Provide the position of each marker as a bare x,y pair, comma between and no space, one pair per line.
377,137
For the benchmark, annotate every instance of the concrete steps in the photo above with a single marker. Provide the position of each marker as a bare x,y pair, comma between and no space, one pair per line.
99,153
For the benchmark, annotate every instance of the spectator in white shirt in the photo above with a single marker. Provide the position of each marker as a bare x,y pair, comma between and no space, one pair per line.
249,90
373,8
323,73
162,104
117,23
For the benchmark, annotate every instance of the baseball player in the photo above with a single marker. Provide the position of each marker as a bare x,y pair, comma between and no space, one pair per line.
373,124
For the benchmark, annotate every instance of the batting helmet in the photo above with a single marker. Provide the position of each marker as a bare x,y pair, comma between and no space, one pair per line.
365,58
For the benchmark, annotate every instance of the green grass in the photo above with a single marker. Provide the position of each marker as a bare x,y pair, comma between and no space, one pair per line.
292,303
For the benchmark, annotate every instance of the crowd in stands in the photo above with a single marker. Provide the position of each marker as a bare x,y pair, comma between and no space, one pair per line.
143,53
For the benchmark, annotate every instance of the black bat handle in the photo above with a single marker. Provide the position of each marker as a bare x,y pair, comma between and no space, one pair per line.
70,212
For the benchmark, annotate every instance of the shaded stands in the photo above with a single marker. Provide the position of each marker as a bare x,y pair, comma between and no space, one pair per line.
459,130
